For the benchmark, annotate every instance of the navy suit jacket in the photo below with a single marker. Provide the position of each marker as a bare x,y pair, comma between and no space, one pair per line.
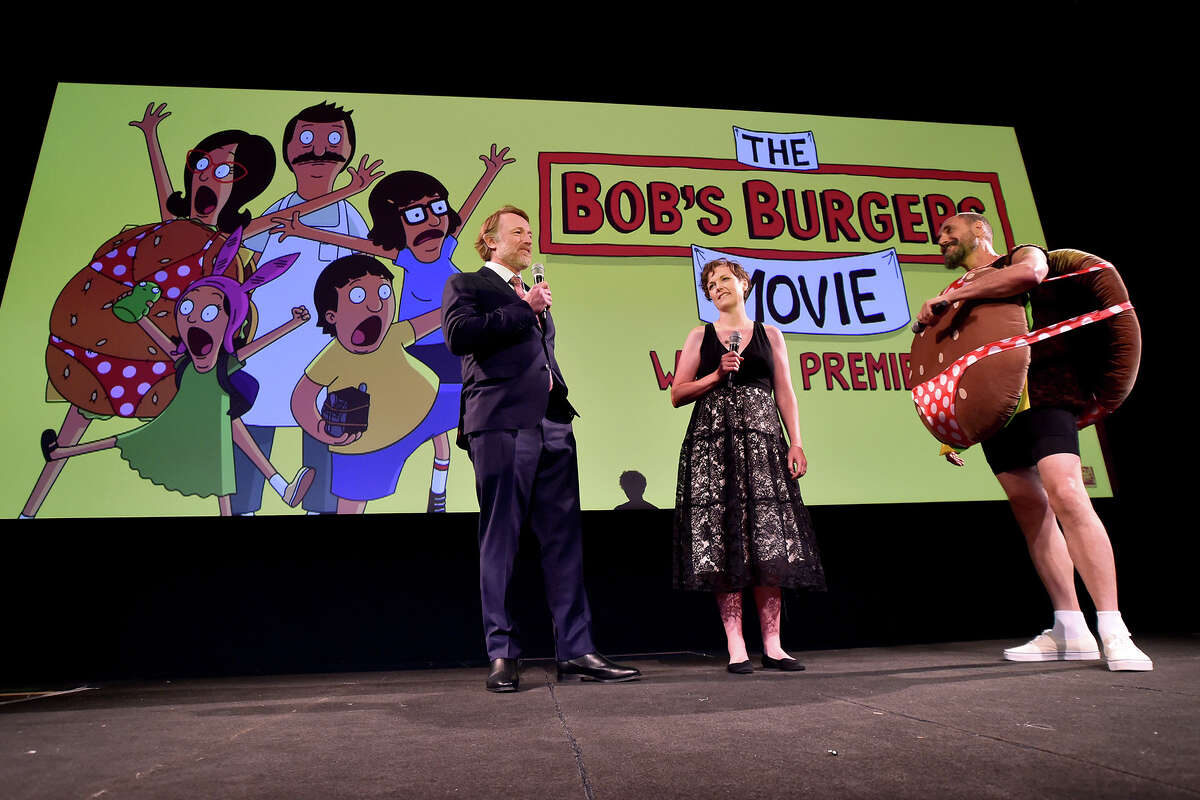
505,356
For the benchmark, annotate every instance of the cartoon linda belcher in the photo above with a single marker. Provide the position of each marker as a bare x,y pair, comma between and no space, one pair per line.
222,173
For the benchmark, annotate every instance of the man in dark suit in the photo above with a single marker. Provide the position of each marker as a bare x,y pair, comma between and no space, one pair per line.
515,424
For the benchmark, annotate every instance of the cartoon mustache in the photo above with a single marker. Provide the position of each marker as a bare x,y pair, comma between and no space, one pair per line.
426,235
327,156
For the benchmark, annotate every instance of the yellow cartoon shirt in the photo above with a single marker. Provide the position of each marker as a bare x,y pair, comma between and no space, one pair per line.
402,389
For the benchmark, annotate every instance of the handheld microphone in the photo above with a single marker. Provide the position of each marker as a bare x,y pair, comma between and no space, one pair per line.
539,276
735,341
938,309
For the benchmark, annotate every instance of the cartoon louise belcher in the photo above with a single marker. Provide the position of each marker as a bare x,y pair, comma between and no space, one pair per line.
188,447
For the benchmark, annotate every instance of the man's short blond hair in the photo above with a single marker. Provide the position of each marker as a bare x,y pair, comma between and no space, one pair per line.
489,228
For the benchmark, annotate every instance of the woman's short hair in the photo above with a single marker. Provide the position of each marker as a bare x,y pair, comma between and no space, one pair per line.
732,266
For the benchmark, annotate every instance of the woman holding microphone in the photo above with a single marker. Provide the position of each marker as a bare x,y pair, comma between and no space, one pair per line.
739,519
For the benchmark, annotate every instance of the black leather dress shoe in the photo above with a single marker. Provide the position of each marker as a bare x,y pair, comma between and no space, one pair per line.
740,667
504,676
595,667
785,664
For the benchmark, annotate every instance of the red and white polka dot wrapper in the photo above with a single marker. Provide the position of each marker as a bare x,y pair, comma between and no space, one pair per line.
124,378
936,399
172,278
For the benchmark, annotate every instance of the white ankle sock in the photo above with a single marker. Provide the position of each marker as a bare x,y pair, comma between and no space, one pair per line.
441,466
278,484
1070,624
1109,623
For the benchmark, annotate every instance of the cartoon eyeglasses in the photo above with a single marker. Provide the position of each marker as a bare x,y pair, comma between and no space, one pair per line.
198,161
417,213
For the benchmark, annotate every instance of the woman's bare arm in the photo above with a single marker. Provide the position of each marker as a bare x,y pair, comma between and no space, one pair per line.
148,125
685,386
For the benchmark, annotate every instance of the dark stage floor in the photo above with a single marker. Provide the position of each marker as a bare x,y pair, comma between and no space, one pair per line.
929,721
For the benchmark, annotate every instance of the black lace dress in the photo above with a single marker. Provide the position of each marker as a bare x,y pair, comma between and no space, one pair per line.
739,517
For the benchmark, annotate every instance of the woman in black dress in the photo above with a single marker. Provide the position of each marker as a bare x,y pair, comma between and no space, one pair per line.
739,517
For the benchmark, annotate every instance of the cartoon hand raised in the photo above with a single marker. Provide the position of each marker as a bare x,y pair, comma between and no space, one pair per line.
496,161
150,119
299,315
136,303
365,175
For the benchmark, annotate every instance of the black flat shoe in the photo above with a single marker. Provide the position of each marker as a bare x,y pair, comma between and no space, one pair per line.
504,676
740,668
595,667
784,664
49,442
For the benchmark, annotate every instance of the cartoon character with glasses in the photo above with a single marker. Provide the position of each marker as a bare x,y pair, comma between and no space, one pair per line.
222,174
416,229
199,162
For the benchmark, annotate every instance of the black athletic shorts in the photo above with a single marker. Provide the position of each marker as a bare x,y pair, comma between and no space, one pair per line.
1031,436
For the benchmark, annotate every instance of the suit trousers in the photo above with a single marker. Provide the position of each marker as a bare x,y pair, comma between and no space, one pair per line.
530,477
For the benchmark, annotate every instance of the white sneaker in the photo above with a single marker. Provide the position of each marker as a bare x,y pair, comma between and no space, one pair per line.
1122,654
1048,647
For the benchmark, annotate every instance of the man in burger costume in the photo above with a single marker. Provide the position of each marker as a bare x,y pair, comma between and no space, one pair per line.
1035,456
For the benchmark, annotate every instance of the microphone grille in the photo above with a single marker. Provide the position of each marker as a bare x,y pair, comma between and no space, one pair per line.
539,273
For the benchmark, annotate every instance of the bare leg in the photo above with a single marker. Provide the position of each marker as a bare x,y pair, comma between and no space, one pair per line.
441,445
1045,541
770,603
294,493
351,506
73,426
730,606
62,453
1086,539
246,443
225,503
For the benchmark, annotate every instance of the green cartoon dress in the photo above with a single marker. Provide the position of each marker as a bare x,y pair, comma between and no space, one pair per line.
189,446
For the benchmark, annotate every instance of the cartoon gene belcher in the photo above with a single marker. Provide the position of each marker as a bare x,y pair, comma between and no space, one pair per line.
355,304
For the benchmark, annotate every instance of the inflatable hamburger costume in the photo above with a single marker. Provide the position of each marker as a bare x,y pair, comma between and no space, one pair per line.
1077,346
103,366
